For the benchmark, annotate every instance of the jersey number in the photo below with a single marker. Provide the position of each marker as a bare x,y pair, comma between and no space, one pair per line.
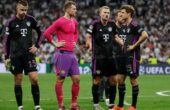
123,37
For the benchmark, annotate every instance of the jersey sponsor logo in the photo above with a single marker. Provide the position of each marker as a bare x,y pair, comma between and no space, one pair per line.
23,32
110,29
28,24
106,37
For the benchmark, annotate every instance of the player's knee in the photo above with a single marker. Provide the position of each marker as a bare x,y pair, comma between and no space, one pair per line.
134,82
34,81
120,80
76,81
112,80
60,79
96,81
18,80
112,83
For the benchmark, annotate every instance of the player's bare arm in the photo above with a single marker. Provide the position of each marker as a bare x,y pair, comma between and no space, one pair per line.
7,61
142,38
33,49
58,44
88,42
119,40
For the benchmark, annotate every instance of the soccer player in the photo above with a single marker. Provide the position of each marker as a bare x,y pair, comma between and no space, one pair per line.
66,28
128,58
20,50
101,34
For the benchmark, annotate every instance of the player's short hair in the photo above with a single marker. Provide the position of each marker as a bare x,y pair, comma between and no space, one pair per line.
103,7
68,4
23,2
129,9
116,12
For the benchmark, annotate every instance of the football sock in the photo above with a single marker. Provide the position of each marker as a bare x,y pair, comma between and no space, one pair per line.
112,94
107,89
95,93
122,91
36,94
101,89
75,92
135,92
59,93
18,94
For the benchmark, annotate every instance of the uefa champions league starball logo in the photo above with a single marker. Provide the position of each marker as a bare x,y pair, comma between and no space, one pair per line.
62,71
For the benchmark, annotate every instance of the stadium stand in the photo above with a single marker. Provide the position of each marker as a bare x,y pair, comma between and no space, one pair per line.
153,15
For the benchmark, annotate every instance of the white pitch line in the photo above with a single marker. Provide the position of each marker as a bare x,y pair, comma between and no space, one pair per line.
68,98
163,93
126,103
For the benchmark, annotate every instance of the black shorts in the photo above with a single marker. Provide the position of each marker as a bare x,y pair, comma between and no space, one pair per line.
127,65
104,67
24,62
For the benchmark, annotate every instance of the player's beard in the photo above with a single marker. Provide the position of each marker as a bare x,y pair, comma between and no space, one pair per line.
105,19
121,21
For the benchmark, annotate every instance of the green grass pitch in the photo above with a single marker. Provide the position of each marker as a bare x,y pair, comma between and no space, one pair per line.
148,99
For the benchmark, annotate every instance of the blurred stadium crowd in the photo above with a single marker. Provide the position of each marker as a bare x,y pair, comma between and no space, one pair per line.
153,15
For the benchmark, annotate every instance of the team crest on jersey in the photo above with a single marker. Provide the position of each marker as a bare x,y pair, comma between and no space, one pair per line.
28,24
109,29
62,72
